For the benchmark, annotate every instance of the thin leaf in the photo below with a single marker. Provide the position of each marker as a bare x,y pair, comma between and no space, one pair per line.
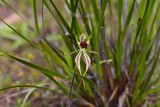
37,67
149,76
129,17
35,17
60,15
31,86
31,90
19,34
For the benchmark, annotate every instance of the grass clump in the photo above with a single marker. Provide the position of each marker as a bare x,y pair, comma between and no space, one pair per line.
125,34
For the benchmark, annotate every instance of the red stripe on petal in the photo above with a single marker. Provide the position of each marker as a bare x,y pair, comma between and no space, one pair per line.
88,61
77,60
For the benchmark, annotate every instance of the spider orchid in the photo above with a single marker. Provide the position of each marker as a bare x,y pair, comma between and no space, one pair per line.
82,51
83,43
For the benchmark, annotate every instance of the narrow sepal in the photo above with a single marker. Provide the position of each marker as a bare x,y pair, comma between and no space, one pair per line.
87,60
77,61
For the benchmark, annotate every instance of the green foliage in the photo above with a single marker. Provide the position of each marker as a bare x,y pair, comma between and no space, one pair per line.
125,72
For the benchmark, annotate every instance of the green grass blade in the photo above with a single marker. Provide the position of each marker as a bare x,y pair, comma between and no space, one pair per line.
73,30
91,83
152,91
120,38
95,9
148,13
63,87
83,11
154,20
138,31
149,76
56,50
141,70
36,17
65,36
19,34
119,53
60,16
53,15
101,21
55,58
37,67
43,70
142,66
96,37
152,43
31,90
68,4
129,17
120,11
31,86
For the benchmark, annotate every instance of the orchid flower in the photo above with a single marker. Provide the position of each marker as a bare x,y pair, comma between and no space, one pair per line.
82,51
83,43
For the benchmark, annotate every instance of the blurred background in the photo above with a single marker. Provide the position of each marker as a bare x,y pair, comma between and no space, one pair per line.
14,73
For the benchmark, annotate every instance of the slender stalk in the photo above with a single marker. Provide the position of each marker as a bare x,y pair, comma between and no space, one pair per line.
72,83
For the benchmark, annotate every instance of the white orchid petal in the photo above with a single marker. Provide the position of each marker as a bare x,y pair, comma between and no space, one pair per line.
77,61
87,60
